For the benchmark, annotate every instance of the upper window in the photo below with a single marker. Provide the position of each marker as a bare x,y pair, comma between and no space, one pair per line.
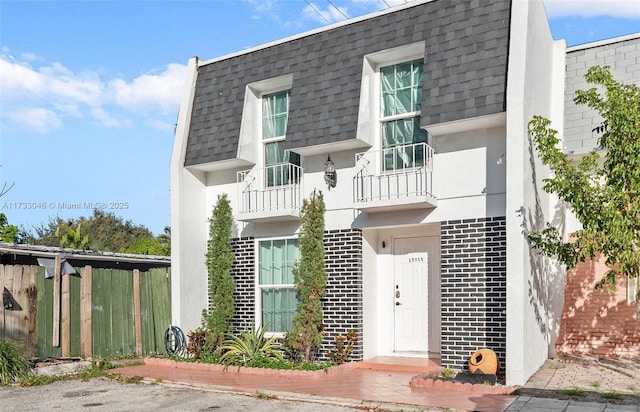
275,114
276,289
403,141
281,166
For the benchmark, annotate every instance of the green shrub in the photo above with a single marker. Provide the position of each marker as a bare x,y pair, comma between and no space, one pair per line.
13,363
310,278
250,346
217,316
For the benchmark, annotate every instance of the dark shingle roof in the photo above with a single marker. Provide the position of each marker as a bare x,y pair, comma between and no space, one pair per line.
465,74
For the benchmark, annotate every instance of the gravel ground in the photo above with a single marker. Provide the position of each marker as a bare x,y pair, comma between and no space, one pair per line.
106,395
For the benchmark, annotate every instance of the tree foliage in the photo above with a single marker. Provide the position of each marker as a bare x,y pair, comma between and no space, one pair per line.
602,193
217,317
310,279
103,231
149,245
72,237
8,233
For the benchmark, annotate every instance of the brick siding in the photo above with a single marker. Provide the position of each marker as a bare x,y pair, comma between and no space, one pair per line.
243,272
343,310
596,322
342,303
473,288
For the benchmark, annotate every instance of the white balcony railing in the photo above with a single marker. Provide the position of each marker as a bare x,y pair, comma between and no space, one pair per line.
270,192
396,177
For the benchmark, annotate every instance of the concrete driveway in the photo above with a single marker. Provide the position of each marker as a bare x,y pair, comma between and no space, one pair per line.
106,395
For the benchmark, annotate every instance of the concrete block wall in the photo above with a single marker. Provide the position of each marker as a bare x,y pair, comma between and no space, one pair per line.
473,290
594,321
623,57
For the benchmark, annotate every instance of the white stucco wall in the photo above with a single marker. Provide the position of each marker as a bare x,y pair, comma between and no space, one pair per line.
188,224
483,171
534,284
475,190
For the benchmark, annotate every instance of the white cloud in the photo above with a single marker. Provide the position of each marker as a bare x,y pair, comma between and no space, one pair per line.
39,120
161,125
382,4
58,92
104,118
152,92
261,7
592,8
328,15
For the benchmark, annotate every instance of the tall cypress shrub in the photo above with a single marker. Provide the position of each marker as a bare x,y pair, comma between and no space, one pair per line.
310,278
217,317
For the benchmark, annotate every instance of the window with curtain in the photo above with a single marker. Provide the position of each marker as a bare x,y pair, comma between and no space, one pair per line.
278,300
401,95
278,161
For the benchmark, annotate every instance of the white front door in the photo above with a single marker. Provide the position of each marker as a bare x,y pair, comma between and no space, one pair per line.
411,291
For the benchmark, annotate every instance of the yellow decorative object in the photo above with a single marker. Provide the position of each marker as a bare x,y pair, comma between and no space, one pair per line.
484,361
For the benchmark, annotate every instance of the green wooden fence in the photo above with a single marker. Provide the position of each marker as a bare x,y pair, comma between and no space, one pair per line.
112,312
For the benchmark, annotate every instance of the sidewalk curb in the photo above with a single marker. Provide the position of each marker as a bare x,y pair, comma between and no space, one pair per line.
297,397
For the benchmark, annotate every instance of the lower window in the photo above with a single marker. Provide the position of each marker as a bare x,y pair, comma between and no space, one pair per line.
276,291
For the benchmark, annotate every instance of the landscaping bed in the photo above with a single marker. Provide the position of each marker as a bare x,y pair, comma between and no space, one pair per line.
214,367
429,381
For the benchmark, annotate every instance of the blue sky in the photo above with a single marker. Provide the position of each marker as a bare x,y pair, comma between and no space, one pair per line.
89,90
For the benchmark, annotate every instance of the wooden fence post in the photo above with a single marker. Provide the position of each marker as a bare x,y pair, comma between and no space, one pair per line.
137,315
32,294
66,316
2,325
86,334
55,340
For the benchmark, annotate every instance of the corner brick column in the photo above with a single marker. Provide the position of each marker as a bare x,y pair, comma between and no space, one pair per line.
343,310
243,273
474,290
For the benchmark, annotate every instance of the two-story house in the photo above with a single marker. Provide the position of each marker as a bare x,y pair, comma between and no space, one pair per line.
413,123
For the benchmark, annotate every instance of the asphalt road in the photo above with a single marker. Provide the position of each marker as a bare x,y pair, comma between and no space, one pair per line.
106,395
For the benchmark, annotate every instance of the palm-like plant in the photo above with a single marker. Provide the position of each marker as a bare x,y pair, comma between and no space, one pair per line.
250,346
13,363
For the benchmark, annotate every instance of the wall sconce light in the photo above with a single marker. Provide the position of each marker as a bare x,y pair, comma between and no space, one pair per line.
384,244
330,175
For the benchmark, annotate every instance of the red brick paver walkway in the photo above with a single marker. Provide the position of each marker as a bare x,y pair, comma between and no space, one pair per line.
352,384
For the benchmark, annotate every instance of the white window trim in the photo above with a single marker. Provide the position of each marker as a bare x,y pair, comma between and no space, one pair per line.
263,142
250,143
258,287
369,118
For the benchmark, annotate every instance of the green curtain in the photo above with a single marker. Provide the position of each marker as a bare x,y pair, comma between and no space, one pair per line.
275,113
401,86
278,308
277,160
276,261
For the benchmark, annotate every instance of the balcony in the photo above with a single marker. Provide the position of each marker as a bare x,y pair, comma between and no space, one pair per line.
273,192
396,178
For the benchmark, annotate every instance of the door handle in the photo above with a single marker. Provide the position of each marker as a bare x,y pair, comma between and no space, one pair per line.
398,303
